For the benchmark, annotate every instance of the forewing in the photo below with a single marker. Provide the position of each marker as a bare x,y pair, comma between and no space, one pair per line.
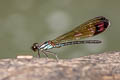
87,29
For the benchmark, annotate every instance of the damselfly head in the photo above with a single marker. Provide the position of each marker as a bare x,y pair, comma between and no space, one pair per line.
35,47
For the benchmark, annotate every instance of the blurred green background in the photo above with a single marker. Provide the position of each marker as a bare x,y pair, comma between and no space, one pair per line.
23,22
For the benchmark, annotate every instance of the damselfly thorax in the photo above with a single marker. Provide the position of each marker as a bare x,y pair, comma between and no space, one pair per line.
88,29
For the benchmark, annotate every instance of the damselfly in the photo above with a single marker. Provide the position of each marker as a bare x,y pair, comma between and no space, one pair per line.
87,29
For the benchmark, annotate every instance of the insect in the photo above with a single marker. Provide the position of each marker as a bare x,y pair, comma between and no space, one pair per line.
88,29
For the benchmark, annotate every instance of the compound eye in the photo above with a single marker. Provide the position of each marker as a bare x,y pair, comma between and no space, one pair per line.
35,47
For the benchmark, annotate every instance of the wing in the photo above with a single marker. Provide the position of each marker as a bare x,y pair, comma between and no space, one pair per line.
87,29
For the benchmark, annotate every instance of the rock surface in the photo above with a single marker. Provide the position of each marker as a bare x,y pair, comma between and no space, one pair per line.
105,66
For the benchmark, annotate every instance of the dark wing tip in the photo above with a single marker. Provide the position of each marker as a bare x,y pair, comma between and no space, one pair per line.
102,24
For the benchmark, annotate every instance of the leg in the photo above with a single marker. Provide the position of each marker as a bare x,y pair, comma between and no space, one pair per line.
54,54
45,54
39,53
